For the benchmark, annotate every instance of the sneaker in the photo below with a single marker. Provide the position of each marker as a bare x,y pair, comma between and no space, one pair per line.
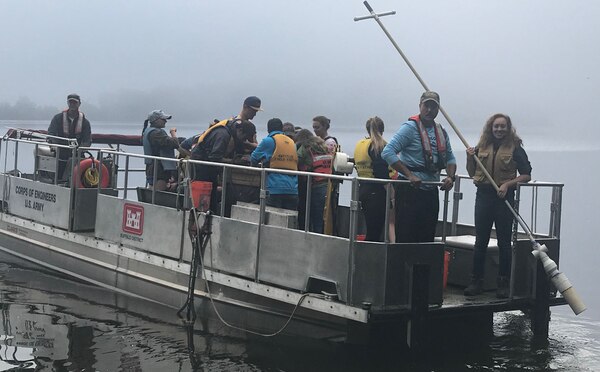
503,290
475,288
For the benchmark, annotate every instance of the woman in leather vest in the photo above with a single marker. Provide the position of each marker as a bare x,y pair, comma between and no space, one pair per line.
500,151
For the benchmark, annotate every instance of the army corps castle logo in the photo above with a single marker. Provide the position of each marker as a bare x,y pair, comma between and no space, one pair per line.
133,219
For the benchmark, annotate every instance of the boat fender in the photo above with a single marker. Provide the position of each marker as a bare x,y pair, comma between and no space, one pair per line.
86,174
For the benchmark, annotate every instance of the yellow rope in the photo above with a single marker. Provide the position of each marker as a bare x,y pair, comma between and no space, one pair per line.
91,177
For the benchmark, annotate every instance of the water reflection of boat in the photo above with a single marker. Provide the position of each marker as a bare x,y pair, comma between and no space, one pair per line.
256,262
97,333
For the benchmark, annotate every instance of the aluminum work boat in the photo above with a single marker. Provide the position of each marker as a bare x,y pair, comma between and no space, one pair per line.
278,276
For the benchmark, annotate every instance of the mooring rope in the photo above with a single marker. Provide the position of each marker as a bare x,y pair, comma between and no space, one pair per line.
208,290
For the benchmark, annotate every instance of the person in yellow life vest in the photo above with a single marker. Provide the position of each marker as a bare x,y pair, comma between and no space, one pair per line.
500,151
370,164
278,151
70,123
218,144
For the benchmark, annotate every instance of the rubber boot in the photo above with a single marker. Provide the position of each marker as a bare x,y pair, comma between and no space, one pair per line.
475,288
503,291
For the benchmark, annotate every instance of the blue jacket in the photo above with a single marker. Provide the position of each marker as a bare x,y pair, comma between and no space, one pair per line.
276,183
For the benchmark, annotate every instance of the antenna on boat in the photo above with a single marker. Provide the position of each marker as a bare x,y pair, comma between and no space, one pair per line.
559,279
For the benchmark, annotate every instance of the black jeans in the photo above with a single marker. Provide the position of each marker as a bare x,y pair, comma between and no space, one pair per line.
285,201
416,214
490,209
372,201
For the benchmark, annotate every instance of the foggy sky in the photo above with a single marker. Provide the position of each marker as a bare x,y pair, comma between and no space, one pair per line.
534,60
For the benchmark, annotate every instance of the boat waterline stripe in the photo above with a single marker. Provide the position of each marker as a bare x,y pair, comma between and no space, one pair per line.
64,271
316,304
94,262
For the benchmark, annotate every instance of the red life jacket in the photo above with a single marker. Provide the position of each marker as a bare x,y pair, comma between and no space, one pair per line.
440,139
321,163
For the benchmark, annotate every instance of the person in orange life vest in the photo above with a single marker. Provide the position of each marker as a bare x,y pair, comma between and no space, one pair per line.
313,156
70,123
500,151
418,151
321,126
157,143
369,164
278,151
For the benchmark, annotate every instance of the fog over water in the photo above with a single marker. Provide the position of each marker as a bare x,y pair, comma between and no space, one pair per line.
536,60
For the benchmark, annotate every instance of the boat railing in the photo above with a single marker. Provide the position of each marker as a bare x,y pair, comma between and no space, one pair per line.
527,204
349,194
227,169
41,146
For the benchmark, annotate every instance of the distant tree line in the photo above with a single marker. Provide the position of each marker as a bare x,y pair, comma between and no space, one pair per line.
25,109
123,106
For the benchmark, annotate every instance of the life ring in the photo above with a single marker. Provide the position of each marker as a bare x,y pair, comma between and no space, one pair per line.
86,174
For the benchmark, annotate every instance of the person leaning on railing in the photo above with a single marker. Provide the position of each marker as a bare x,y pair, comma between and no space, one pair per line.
157,143
218,144
278,151
418,151
500,151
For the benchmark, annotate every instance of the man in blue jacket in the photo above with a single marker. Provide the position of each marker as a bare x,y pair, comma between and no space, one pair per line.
418,151
278,151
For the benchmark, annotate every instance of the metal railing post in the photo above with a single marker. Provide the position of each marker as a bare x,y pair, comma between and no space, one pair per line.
224,183
261,218
307,206
16,157
445,214
72,185
557,198
36,163
126,176
456,198
56,163
154,174
386,228
354,205
516,208
99,160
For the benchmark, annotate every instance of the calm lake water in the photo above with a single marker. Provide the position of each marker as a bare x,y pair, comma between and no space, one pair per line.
55,323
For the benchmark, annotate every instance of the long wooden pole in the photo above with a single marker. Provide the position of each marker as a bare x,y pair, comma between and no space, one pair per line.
558,278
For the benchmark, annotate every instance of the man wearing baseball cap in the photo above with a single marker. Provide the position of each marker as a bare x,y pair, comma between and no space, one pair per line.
419,150
70,123
157,143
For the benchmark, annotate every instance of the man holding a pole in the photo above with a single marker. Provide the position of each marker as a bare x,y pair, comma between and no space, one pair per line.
419,151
